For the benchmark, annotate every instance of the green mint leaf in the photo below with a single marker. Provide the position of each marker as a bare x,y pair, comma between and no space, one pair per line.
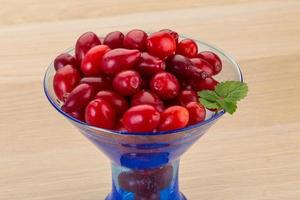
208,95
232,91
209,104
228,106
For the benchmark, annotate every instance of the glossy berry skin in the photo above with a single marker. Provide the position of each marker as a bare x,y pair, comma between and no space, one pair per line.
63,60
141,118
203,65
78,115
183,68
118,60
100,82
91,63
84,43
117,101
80,96
187,48
172,33
114,40
174,117
127,83
161,44
197,112
206,84
149,98
149,65
165,85
100,113
185,85
186,96
65,80
135,39
213,59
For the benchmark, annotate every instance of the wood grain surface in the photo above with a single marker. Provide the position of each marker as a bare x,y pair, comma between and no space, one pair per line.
253,155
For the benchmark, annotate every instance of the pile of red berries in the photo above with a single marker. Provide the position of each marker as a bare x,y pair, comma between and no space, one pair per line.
135,82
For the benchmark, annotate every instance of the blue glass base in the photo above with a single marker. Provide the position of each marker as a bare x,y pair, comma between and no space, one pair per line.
159,183
181,197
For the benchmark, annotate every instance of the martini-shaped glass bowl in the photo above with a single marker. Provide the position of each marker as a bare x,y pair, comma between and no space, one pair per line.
145,165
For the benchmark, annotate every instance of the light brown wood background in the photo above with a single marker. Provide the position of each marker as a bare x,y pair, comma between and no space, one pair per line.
253,155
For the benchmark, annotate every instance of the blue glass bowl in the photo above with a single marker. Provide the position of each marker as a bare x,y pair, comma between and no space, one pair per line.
145,165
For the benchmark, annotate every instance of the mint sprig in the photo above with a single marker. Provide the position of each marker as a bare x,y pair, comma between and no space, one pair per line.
225,96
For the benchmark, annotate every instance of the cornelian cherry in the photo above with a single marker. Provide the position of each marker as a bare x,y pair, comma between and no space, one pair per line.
161,44
197,112
165,85
187,47
127,83
212,59
149,98
141,118
186,96
203,65
149,65
117,60
174,117
65,80
206,84
114,39
100,113
172,33
84,43
91,63
64,59
79,98
117,101
100,82
135,39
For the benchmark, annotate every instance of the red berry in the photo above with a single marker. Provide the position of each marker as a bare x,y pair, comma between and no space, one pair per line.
149,98
84,43
165,85
197,112
79,98
141,118
117,101
120,126
101,82
203,65
91,63
118,60
182,67
149,65
63,60
127,83
78,115
65,80
186,96
185,85
114,39
161,44
100,113
172,33
174,117
187,47
206,84
213,59
135,39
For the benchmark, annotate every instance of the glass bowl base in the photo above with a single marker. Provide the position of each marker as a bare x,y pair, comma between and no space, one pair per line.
111,197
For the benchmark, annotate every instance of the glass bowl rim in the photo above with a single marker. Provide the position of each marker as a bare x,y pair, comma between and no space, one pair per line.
213,118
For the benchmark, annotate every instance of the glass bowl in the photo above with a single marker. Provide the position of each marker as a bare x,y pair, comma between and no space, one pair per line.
145,165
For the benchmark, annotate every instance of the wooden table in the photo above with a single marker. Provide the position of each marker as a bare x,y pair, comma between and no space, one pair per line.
253,155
